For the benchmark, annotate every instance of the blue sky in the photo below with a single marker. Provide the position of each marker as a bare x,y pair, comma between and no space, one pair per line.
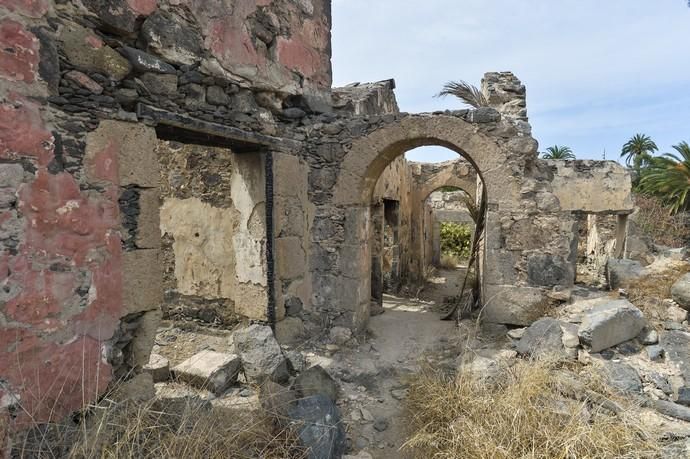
597,72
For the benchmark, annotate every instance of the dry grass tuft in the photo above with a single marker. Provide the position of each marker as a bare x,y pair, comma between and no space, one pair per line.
648,292
149,430
528,414
654,220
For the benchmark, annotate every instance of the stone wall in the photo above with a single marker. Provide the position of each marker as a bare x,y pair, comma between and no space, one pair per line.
88,92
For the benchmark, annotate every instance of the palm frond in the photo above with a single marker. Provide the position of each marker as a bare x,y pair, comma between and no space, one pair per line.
469,94
668,177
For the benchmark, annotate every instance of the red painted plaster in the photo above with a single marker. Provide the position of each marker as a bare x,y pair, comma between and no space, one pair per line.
20,115
30,8
231,43
143,7
53,379
103,165
62,342
18,52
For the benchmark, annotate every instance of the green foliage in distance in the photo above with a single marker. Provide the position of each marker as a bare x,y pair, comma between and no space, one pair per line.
456,239
668,177
557,152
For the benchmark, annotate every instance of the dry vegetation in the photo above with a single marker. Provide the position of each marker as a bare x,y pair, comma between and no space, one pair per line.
532,412
648,292
150,430
654,220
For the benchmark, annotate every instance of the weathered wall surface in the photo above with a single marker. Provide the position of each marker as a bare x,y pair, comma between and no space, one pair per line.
213,220
591,186
79,227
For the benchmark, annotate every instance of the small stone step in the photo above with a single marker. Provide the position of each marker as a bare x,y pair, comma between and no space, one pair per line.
209,370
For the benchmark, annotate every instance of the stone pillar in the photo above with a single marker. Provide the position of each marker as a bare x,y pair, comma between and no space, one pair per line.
621,235
376,243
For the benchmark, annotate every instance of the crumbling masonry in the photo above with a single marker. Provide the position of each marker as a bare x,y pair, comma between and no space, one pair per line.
191,158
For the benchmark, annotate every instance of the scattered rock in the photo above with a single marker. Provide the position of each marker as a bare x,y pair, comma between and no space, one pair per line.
676,346
366,415
399,394
158,367
381,424
237,405
340,335
516,333
677,450
138,389
620,272
542,339
570,339
178,399
261,355
660,382
609,324
210,370
290,330
296,361
676,314
622,377
276,399
316,380
655,352
683,396
648,336
318,424
680,291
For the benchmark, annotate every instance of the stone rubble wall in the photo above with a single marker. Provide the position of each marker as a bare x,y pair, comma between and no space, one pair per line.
79,165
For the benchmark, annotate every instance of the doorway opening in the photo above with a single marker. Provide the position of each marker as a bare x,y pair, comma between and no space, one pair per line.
422,221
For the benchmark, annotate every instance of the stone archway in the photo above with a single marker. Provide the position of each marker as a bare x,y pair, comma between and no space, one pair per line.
494,159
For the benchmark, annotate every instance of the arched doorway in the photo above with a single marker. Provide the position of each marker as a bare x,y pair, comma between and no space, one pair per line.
369,156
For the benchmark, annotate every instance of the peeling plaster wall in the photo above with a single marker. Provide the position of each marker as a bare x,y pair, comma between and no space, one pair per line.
213,221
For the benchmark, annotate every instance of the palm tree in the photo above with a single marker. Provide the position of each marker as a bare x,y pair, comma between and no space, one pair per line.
668,176
557,152
638,150
469,94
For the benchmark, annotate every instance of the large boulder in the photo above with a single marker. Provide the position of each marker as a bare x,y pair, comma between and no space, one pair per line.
261,355
620,273
609,324
543,339
680,291
319,427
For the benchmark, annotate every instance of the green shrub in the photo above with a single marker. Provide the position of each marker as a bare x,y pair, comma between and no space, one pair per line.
456,239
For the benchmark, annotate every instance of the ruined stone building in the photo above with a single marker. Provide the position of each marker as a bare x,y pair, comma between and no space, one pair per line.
192,159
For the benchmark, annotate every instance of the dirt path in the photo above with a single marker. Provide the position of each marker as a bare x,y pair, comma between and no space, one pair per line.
407,336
